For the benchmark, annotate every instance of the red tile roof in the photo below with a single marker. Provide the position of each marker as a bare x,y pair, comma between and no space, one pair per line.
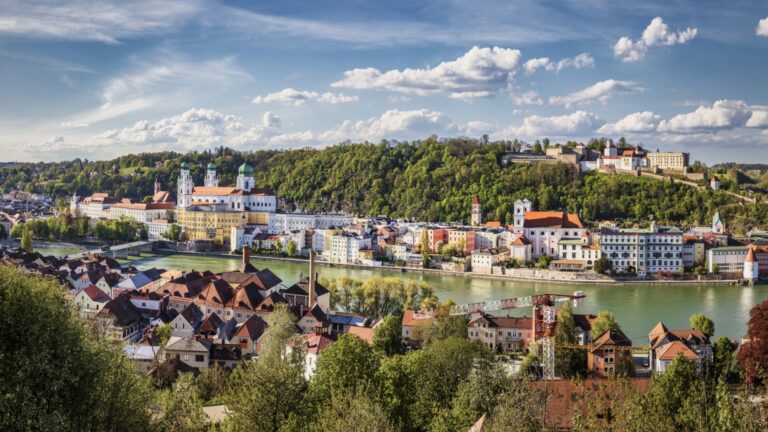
410,320
672,349
95,294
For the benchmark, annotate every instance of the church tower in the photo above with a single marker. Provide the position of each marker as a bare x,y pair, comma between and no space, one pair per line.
718,226
211,178
185,186
157,186
477,212
521,208
245,180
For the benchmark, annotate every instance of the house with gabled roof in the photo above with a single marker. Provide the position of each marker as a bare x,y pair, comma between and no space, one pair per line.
194,353
247,334
298,294
503,334
121,319
606,353
314,319
89,301
187,322
313,345
666,344
411,323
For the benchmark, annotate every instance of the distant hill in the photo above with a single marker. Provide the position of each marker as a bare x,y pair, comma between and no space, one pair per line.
425,180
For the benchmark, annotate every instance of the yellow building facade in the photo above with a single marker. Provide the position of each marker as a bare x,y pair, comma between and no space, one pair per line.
202,223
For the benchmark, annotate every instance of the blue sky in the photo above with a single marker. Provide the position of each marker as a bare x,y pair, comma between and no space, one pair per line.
99,79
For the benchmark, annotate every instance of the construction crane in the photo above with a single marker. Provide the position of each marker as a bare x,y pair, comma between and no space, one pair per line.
543,319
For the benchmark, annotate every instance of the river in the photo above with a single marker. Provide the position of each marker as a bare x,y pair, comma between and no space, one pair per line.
638,307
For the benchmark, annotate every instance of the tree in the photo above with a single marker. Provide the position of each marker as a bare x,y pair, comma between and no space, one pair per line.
520,409
753,355
702,323
725,361
173,232
439,369
568,362
281,326
347,365
262,396
602,265
355,411
26,239
62,379
164,333
605,321
3,232
543,262
183,409
441,329
387,336
212,382
424,247
290,248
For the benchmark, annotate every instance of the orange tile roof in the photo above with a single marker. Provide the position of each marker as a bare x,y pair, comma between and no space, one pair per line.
521,241
364,333
551,219
409,320
493,224
672,349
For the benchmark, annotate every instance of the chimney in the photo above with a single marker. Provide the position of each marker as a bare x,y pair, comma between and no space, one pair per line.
311,300
246,255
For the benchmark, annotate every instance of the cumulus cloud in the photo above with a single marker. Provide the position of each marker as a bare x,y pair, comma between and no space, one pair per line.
723,114
601,91
577,124
293,97
479,73
639,122
103,21
656,34
580,61
762,27
392,124
528,98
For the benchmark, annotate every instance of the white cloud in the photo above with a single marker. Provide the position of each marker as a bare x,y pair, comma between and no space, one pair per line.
723,114
580,61
392,124
398,99
528,98
601,91
762,27
479,73
162,79
577,124
270,120
104,21
657,33
293,97
639,122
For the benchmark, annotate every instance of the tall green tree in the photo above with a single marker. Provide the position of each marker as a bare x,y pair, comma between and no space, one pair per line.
354,411
281,327
53,375
263,396
183,408
703,323
568,362
349,364
26,239
605,321
387,336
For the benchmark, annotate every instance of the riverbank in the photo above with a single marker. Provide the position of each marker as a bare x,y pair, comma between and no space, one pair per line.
533,275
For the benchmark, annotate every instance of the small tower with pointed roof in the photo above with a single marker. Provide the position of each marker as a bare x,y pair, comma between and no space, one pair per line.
477,211
717,224
751,269
157,186
211,178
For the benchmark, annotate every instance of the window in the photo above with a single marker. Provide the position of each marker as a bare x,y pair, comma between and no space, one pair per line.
199,358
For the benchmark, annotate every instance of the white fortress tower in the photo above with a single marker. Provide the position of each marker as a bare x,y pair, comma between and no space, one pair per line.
751,270
521,208
211,178
245,180
477,212
185,185
610,150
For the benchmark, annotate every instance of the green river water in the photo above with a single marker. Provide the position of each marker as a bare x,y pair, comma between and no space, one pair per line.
638,307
